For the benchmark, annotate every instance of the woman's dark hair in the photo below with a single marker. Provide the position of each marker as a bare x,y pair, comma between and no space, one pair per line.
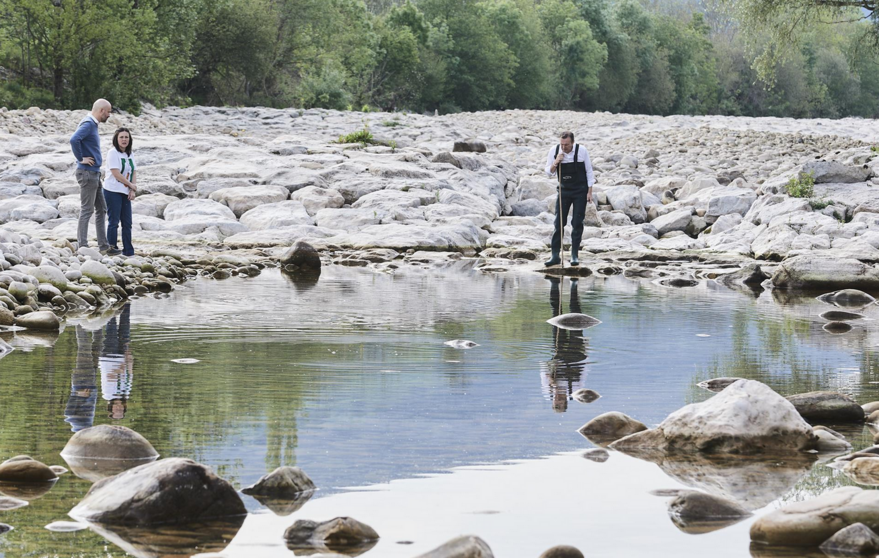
116,140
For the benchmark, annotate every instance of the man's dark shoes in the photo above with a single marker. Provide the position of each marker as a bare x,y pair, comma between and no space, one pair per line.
554,260
112,251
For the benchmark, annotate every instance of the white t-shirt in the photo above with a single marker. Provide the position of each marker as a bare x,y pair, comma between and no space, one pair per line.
124,164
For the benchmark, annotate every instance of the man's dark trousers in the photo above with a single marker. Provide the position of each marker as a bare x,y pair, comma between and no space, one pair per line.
575,197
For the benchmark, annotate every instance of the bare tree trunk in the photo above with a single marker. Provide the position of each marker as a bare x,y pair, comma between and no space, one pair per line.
58,85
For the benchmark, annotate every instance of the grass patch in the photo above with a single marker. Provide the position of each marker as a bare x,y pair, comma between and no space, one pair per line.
802,186
392,123
818,205
363,136
874,148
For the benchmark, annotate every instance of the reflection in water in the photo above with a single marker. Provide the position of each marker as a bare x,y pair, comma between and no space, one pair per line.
284,506
106,350
751,481
562,375
26,490
117,363
702,526
171,541
93,470
302,281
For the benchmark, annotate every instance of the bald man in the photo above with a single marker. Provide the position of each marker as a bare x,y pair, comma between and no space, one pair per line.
86,146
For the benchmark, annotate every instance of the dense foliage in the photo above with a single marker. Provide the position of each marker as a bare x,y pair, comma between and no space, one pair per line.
639,56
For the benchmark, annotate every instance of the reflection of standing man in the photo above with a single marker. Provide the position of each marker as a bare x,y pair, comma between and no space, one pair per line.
563,374
80,410
571,163
117,364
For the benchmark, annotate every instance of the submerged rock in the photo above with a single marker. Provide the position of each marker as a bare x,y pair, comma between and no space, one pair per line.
840,316
24,469
857,539
698,512
811,522
341,534
718,384
301,256
109,441
574,321
468,546
830,441
282,482
847,298
598,455
837,328
611,426
745,418
827,406
461,344
170,490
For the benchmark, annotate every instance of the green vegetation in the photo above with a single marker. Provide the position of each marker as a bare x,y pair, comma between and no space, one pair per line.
874,148
801,186
363,136
818,205
445,55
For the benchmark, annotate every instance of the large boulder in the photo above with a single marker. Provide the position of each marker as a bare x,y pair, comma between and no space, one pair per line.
732,200
171,490
821,272
854,540
282,482
811,522
745,418
152,205
51,275
626,198
191,208
673,221
468,546
827,406
692,508
108,441
342,534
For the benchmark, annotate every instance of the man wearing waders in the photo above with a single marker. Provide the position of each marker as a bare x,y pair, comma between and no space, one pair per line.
571,163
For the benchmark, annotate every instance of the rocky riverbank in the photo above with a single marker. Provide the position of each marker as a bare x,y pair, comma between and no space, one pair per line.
227,190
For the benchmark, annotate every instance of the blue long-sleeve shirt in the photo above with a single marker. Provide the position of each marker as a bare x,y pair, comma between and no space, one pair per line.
85,142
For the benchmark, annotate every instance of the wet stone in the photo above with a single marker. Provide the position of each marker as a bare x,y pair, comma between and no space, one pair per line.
827,406
562,551
586,395
857,540
468,546
611,426
598,455
17,470
109,441
282,482
341,534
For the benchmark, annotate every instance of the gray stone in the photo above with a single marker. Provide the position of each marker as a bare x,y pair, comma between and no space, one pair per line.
280,483
341,534
811,272
51,275
44,320
674,221
562,551
301,255
856,539
611,426
831,172
468,546
171,490
109,441
469,146
97,272
693,505
276,215
585,395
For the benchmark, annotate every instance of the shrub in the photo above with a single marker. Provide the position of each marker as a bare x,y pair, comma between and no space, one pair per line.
392,123
801,186
324,90
363,136
818,205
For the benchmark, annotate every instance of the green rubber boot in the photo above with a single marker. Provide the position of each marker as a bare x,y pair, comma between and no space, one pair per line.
554,260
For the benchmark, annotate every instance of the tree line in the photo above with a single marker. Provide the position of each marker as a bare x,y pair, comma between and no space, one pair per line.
446,55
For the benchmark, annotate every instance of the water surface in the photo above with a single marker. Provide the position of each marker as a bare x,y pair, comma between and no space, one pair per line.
349,378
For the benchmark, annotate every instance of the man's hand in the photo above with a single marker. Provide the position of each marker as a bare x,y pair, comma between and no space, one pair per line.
560,157
90,161
589,196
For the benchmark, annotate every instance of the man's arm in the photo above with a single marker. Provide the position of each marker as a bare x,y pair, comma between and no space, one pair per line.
550,158
590,176
76,144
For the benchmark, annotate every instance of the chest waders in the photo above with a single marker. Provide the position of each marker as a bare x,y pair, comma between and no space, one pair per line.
573,189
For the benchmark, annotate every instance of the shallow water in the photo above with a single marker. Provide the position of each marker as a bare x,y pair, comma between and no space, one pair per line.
350,379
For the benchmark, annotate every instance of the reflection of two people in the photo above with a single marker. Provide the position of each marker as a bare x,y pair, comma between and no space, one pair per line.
562,375
106,350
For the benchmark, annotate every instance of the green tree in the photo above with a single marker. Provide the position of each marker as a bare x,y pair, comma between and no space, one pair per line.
619,75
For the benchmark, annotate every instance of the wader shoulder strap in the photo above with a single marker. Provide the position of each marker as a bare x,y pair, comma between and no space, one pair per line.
557,150
576,151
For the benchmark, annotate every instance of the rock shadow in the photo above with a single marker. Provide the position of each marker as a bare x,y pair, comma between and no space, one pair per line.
172,541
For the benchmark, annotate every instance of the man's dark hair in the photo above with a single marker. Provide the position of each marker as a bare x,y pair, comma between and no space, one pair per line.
116,140
568,135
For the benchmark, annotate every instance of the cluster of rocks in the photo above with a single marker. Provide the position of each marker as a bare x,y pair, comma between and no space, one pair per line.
223,178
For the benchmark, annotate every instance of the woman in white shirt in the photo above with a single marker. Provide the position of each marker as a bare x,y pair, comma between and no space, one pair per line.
119,190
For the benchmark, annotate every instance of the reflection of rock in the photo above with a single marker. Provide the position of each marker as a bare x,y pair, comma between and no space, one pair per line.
697,512
301,281
282,482
854,540
345,535
585,395
847,298
827,406
172,541
66,526
717,384
5,348
574,321
811,522
864,470
109,441
461,344
745,418
562,551
285,506
597,455
58,469
840,316
7,504
607,427
26,491
468,546
750,480
93,470
173,490
4,528
837,328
